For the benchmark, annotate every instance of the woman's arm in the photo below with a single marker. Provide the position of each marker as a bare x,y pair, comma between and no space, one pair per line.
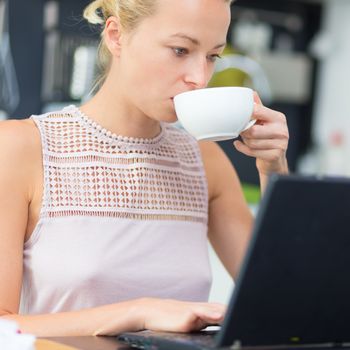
127,316
230,219
14,202
19,146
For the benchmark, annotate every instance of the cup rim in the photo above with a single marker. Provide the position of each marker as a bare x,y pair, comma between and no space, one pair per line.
212,88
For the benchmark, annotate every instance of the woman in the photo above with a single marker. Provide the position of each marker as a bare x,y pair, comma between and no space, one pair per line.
105,209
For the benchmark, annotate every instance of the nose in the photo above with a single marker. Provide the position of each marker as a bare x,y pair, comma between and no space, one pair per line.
198,74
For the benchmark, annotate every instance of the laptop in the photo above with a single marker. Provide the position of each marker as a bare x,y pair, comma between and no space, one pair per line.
293,289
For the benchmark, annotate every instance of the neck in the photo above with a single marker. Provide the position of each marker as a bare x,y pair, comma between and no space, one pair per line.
111,109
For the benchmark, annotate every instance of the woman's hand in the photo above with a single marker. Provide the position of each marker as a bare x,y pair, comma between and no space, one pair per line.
267,140
178,316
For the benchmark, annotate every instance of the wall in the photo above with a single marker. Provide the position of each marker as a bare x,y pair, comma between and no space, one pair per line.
332,109
222,282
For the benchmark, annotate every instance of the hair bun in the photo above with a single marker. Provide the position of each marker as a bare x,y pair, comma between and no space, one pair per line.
95,12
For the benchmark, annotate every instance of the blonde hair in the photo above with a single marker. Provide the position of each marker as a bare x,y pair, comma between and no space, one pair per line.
129,13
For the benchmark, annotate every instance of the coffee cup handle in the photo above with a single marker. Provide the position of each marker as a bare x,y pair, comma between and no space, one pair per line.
249,124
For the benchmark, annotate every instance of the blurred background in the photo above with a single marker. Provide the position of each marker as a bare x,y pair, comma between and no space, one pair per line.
295,53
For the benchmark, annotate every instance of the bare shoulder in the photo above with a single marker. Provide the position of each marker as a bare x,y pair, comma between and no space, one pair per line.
20,149
18,138
219,170
210,149
13,127
214,158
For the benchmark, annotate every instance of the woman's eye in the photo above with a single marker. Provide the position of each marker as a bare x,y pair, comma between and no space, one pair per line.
212,58
179,51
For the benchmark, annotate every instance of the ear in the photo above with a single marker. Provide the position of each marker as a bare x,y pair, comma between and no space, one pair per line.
257,98
112,35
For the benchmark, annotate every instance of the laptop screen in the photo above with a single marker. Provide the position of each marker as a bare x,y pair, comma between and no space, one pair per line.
294,285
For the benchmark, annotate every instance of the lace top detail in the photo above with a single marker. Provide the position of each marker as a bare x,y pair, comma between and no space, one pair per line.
91,171
121,218
112,136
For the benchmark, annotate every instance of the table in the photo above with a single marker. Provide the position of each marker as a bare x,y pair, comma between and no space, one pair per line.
81,343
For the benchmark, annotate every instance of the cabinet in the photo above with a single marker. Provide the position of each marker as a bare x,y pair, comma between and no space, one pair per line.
28,38
287,28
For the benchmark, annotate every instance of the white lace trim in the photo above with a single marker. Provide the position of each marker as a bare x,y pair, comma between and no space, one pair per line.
91,171
91,124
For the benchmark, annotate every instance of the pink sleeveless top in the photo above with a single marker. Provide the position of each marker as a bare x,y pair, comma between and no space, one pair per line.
121,218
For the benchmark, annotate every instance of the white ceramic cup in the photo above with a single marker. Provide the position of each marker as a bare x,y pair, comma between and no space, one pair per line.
215,114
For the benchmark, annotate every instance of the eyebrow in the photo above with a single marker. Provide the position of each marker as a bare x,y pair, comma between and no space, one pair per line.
194,41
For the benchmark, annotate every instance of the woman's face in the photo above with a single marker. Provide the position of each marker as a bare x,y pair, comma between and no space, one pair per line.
171,52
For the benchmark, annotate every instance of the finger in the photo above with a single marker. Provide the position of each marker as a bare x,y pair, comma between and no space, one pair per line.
266,114
266,155
209,315
213,304
241,147
263,144
257,98
199,325
271,131
215,308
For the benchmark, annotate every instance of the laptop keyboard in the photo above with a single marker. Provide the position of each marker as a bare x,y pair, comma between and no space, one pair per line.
204,338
